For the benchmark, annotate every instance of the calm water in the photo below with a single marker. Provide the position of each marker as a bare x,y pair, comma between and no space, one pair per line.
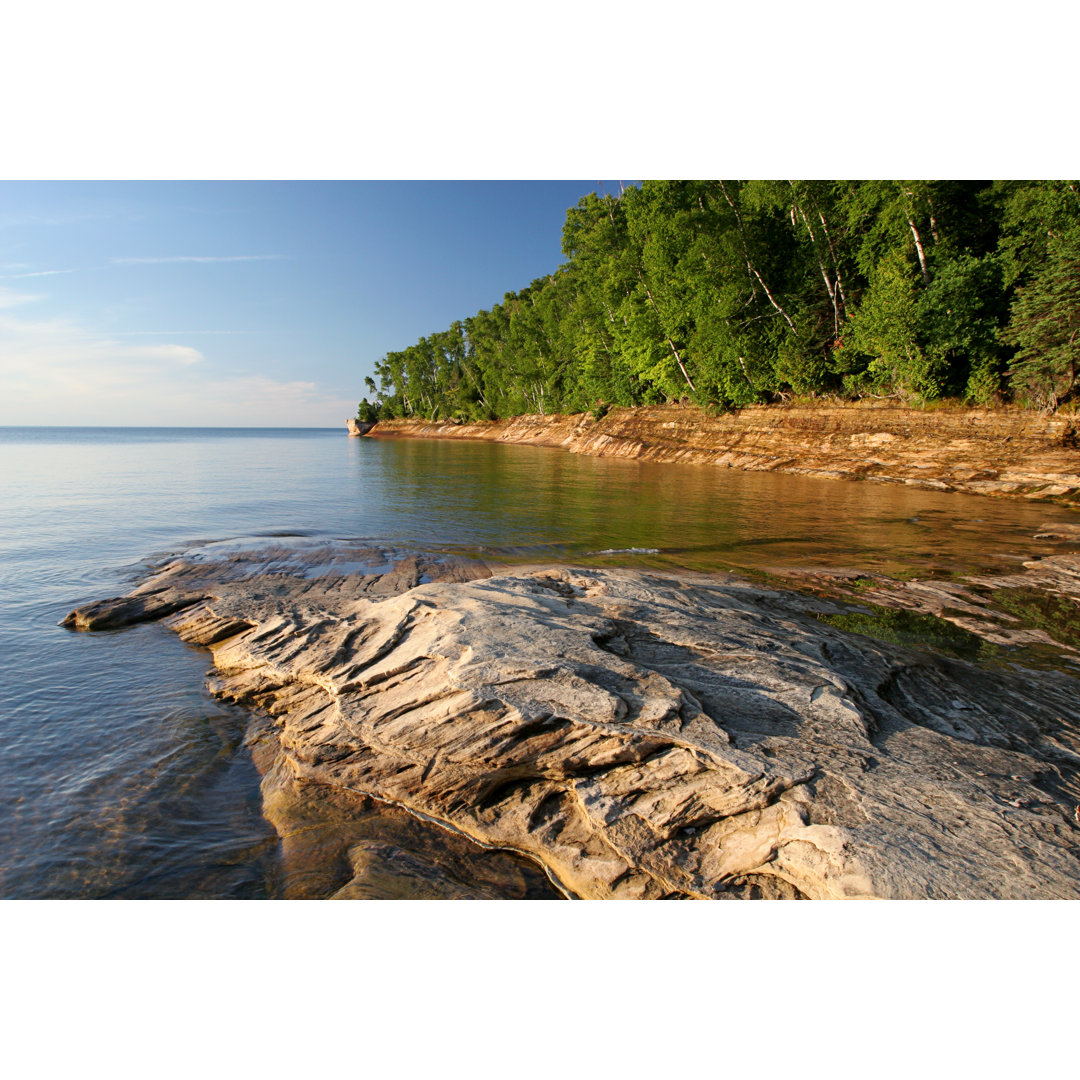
114,791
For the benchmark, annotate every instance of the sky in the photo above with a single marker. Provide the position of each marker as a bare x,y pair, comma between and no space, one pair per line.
247,303
205,228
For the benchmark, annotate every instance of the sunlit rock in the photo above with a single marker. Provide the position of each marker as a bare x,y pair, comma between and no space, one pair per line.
1018,454
637,735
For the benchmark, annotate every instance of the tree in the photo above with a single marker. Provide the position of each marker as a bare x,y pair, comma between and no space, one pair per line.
1033,214
1045,327
732,292
958,320
885,328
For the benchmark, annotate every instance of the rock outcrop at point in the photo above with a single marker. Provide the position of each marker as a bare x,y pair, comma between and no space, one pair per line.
643,735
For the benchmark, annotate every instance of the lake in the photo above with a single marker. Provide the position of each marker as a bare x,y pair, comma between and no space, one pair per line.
125,779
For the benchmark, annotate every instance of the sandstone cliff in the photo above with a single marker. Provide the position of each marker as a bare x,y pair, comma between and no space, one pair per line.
988,452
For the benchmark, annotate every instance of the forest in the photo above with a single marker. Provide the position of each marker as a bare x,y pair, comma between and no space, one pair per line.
727,293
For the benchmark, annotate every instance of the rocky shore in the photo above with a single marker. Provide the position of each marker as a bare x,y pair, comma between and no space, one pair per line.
1010,453
636,735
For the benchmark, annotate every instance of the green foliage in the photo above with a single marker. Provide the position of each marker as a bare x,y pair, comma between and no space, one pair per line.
885,329
734,292
959,315
1045,327
802,365
1033,214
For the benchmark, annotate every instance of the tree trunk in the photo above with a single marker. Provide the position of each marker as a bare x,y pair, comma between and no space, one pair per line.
751,269
678,358
918,241
933,223
746,373
832,255
770,296
829,287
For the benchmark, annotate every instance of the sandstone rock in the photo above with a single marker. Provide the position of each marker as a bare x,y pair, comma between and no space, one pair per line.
1060,531
644,735
122,611
1005,453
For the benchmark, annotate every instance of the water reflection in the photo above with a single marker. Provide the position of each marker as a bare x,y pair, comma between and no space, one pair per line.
522,503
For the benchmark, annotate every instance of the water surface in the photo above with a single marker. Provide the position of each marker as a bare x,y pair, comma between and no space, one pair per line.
124,778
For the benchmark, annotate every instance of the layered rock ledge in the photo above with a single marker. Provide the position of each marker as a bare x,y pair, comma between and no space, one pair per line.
1010,453
640,735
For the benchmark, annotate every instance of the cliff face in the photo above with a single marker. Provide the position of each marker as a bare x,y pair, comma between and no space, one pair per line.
1006,453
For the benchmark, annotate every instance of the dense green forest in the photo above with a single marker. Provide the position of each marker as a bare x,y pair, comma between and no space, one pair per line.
728,293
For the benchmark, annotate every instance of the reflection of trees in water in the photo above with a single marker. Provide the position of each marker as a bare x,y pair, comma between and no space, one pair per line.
700,517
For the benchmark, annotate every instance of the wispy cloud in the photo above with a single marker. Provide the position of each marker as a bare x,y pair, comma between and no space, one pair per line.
54,371
176,333
196,258
180,354
10,220
39,273
54,348
71,217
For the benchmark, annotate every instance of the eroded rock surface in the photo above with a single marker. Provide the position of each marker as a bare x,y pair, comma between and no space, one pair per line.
642,735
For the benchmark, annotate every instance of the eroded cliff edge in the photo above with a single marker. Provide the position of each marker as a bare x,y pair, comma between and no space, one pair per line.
1011,453
639,734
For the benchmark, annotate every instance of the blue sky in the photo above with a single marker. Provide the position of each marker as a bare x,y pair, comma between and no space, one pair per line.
246,303
227,302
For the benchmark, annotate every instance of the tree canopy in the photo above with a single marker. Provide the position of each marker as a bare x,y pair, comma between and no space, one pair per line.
729,293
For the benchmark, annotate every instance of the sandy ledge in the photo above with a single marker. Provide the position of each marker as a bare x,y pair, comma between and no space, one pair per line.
637,735
1007,453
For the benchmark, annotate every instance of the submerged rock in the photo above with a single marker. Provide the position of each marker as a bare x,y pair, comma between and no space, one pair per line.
1035,604
643,735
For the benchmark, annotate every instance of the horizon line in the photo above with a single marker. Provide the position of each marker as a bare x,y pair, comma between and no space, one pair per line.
173,427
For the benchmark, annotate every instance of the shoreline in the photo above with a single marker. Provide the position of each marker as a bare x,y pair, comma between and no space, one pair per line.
1000,453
